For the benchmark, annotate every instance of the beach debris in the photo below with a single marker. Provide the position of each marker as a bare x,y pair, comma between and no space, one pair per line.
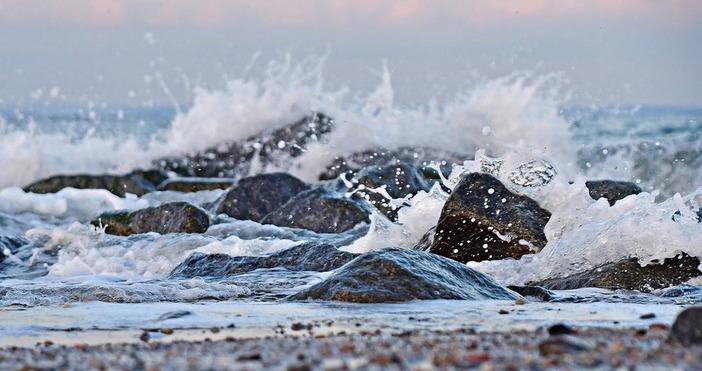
172,217
397,274
483,220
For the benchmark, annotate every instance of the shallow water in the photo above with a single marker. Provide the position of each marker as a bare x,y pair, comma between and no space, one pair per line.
72,275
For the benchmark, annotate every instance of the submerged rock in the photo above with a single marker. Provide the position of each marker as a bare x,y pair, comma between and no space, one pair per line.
630,275
254,197
174,217
304,257
612,190
186,185
687,328
319,210
135,183
236,159
382,184
396,274
483,220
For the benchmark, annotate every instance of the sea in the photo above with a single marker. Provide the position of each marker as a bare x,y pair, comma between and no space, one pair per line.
73,283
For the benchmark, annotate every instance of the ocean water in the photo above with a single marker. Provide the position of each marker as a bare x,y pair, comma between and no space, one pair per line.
72,275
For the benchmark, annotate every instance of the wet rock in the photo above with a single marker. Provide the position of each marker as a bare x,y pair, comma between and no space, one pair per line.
120,185
235,159
534,292
417,156
560,329
483,220
630,275
186,185
687,328
380,185
11,245
319,210
396,274
563,344
254,197
612,190
305,257
174,217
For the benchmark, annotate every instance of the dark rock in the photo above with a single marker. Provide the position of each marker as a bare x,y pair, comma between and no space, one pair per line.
396,274
533,291
234,159
11,244
477,210
563,344
120,185
418,156
612,190
629,275
687,328
254,197
174,217
186,185
397,180
305,257
560,329
319,210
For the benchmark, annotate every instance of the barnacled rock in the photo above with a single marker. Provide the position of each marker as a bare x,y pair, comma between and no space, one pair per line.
483,220
319,210
235,159
135,182
254,197
396,274
174,217
612,190
630,275
304,257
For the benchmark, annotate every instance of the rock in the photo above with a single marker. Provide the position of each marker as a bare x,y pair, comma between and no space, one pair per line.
382,184
319,210
563,344
11,245
687,328
174,217
417,156
483,220
630,275
235,159
534,292
120,185
186,185
612,190
254,197
304,257
396,274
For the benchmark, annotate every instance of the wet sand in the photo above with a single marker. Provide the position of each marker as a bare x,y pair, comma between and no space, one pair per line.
300,349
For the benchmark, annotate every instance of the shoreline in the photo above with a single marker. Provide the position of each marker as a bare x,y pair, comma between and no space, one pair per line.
421,350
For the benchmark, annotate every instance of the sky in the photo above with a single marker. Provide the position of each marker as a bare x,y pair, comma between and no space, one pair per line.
158,51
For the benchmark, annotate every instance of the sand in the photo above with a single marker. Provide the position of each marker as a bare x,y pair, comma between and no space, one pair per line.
298,349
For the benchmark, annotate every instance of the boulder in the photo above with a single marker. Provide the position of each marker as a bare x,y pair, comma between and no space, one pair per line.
612,190
687,328
120,185
483,220
304,257
396,274
174,217
319,210
254,197
380,184
234,159
630,275
187,185
418,156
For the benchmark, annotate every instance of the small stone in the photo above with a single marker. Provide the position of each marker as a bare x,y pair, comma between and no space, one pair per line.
520,301
214,330
167,331
560,329
647,316
562,344
687,328
503,311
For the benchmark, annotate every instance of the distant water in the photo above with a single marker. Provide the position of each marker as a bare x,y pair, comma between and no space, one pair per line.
514,119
